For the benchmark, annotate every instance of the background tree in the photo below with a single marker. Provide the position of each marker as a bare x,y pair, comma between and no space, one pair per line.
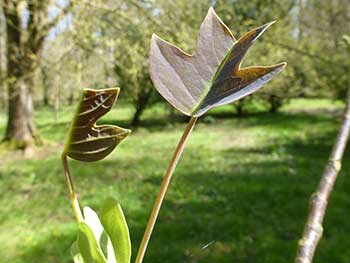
106,43
125,57
28,24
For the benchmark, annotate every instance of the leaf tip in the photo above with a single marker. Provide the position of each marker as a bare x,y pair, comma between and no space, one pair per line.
280,66
270,23
260,30
115,90
154,46
211,10
155,38
123,134
283,65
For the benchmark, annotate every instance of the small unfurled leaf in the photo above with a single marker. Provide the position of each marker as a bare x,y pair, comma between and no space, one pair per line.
107,248
114,223
88,245
86,140
193,84
104,238
93,221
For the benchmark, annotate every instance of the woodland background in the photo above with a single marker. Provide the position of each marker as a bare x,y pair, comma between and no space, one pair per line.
241,191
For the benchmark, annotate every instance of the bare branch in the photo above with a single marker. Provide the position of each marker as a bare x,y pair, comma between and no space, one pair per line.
307,53
64,11
313,229
153,20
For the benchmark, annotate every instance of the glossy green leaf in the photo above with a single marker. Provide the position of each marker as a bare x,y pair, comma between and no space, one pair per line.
86,140
93,221
114,223
193,84
88,245
107,248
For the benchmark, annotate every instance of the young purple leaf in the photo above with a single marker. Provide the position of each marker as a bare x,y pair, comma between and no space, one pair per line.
90,142
193,84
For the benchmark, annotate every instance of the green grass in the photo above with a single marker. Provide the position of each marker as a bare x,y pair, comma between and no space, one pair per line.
240,193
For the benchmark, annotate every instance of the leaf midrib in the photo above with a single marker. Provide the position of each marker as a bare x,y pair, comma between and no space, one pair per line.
213,79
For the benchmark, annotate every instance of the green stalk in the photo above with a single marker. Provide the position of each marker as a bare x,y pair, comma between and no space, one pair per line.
73,197
163,189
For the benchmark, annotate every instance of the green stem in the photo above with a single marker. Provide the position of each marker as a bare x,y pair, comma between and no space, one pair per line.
163,189
73,197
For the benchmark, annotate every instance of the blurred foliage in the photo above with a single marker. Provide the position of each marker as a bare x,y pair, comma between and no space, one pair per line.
103,43
307,36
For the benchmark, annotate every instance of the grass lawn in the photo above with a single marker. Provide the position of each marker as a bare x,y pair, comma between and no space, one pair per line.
239,195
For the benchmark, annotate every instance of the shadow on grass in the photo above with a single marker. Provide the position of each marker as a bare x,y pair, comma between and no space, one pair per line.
280,119
260,118
252,214
245,210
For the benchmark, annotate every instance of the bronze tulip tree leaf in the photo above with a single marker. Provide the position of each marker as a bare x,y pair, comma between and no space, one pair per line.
194,84
89,142
86,140
211,77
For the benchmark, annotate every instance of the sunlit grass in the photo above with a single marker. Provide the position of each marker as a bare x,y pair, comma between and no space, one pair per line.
240,192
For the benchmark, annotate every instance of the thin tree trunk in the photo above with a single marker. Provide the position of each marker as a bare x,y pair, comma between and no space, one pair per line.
3,97
3,61
46,86
31,117
140,105
275,103
57,99
318,204
239,106
137,116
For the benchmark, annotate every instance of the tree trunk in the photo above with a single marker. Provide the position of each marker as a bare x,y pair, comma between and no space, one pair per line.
21,131
46,99
3,87
46,86
239,106
3,97
137,116
275,103
57,99
71,98
140,103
